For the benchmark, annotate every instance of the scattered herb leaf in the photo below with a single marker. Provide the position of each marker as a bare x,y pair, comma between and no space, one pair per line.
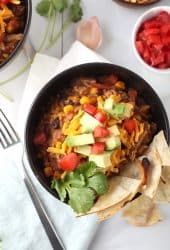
82,186
99,183
81,199
43,8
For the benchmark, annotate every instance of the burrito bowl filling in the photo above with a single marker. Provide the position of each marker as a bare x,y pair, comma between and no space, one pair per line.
12,20
89,135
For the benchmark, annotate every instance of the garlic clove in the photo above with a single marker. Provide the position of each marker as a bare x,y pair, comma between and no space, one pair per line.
89,33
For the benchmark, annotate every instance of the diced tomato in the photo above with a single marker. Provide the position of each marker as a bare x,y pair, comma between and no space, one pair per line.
153,23
153,39
157,59
69,162
164,17
166,40
40,138
140,46
90,109
101,116
151,31
167,58
165,28
100,132
146,54
4,1
129,125
98,148
162,66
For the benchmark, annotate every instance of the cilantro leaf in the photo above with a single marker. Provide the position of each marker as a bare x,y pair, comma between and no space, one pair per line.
81,199
88,169
60,5
60,188
99,183
76,11
43,8
74,179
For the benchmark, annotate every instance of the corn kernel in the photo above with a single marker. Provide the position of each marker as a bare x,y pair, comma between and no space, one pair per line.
100,99
58,145
93,91
120,85
68,108
84,100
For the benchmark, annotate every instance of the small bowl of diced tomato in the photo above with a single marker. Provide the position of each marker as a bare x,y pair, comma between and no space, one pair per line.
151,39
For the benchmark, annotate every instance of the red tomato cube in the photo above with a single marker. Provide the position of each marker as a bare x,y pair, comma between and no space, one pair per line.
100,132
69,162
90,109
101,116
98,148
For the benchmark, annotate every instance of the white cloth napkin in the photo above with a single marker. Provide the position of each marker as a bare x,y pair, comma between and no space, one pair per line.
20,227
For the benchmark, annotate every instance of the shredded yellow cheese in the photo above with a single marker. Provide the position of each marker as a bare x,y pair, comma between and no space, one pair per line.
74,126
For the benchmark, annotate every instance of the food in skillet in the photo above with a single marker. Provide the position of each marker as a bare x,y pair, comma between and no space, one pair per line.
91,141
139,1
12,14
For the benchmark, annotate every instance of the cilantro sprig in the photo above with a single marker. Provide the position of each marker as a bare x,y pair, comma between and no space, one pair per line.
81,187
51,9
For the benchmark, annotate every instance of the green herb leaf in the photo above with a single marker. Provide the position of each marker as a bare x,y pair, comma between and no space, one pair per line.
60,5
81,199
60,188
99,183
43,8
75,180
88,169
76,11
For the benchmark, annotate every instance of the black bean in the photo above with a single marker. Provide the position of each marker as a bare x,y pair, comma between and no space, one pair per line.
146,162
56,123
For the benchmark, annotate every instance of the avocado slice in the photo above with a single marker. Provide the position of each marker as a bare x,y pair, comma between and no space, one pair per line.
102,160
89,123
108,105
114,130
112,142
122,110
80,140
84,150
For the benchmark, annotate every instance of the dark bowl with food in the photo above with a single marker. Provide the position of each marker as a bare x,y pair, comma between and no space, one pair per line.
14,28
93,80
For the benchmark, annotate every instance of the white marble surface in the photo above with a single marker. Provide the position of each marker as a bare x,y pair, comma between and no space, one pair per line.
117,22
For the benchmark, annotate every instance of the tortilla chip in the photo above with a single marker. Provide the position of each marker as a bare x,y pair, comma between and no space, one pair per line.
131,170
153,172
142,212
129,184
162,148
163,191
109,212
119,189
